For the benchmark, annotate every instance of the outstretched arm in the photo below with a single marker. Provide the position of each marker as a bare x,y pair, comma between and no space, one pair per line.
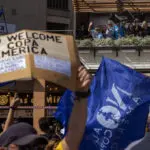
90,26
14,104
78,117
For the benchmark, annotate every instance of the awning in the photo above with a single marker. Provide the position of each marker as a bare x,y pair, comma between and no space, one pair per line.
110,5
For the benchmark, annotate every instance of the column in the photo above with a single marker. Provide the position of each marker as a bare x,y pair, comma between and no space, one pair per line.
38,100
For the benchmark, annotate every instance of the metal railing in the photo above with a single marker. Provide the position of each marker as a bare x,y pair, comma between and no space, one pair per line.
70,32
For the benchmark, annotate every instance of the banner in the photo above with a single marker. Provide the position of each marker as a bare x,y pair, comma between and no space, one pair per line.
35,54
117,108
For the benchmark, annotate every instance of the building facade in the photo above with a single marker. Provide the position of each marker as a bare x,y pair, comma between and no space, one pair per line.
47,15
38,14
59,15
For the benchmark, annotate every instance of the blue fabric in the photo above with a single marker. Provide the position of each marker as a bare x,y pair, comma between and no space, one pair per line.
7,83
64,108
122,31
117,108
116,32
100,36
1,12
95,34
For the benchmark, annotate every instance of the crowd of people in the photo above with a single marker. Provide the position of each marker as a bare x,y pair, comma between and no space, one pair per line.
115,30
22,136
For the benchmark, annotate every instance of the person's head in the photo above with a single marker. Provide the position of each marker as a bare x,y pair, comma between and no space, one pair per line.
98,29
123,23
144,24
44,124
82,26
13,147
130,26
21,136
110,23
50,125
136,21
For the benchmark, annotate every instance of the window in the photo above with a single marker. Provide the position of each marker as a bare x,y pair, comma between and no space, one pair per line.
57,4
57,28
13,12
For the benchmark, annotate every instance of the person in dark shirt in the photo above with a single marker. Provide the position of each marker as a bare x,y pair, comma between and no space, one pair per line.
110,31
46,128
49,127
145,29
122,29
137,28
95,32
130,29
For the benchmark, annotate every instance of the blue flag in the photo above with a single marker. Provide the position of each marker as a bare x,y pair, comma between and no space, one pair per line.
117,108
64,108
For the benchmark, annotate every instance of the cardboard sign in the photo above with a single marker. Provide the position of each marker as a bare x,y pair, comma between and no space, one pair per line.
35,54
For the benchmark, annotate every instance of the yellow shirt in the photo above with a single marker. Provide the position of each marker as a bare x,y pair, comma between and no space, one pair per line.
59,147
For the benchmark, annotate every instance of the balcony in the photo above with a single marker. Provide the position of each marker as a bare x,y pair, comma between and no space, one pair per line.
135,56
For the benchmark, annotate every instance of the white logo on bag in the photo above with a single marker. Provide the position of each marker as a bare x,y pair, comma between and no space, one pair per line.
109,115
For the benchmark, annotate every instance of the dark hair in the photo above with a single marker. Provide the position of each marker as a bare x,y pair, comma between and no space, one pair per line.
24,147
44,124
52,144
29,147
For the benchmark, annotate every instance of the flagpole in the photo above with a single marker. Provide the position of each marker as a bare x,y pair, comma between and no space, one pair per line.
4,17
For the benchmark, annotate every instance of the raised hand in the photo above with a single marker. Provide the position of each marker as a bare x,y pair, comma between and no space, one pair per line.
84,79
15,102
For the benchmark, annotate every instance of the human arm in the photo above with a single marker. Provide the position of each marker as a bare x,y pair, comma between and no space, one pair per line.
90,26
77,121
10,117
